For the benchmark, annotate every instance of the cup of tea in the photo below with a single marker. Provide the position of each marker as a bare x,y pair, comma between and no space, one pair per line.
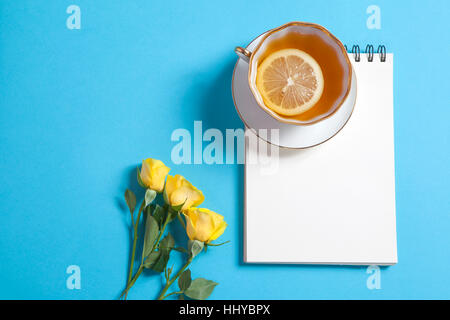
299,73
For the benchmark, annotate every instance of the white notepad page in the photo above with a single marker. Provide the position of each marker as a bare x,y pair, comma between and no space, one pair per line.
334,203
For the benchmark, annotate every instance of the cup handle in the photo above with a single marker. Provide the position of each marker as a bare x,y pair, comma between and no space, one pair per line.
243,53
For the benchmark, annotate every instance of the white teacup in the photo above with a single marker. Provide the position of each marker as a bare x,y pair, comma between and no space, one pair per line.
336,65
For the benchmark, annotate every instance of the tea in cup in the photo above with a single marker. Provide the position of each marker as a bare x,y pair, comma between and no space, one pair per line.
299,73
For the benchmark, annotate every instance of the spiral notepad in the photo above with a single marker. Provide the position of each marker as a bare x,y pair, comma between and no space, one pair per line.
334,203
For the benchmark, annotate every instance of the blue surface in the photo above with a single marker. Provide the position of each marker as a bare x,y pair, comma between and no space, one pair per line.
79,109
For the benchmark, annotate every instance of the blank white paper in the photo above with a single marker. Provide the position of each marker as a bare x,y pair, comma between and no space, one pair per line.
334,203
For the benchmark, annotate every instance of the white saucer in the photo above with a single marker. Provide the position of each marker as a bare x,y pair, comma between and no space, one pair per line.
290,135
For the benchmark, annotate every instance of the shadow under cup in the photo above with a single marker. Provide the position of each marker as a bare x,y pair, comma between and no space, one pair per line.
329,53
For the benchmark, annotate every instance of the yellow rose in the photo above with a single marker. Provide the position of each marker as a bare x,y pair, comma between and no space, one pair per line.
203,224
153,174
178,191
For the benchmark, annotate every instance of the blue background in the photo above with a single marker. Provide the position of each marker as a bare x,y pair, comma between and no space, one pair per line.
79,109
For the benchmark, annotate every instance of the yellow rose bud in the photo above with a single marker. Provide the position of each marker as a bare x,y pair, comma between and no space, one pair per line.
203,224
153,174
178,191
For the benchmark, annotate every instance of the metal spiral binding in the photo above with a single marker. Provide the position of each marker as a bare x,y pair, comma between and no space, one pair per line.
382,51
356,52
370,52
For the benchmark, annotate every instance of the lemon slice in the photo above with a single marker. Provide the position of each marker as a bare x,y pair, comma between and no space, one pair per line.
290,81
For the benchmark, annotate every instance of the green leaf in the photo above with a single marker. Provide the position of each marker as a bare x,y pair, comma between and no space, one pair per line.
151,233
180,249
139,178
200,289
195,247
167,243
130,198
180,297
184,281
148,211
165,246
158,214
161,263
150,195
151,259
